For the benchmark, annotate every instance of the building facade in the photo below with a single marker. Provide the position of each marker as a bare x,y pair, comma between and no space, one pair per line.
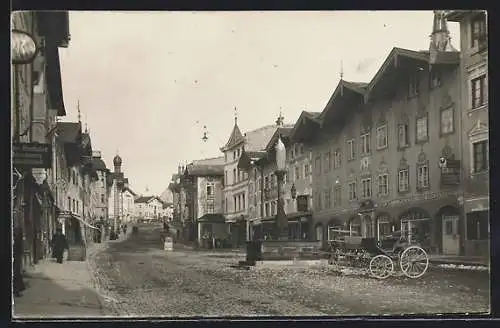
386,154
148,208
128,199
475,141
236,180
36,101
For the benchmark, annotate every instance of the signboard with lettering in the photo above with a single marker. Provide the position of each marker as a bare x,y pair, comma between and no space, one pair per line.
32,155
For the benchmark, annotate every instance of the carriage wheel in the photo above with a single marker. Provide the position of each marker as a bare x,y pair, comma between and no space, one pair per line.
381,266
414,262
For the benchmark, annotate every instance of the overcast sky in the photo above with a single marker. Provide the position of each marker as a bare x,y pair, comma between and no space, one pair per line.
149,81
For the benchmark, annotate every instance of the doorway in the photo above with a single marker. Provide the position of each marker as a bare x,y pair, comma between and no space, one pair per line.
451,235
319,232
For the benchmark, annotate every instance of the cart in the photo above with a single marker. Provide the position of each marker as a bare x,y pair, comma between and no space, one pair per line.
381,258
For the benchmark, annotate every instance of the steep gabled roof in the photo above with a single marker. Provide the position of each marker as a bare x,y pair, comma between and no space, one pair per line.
304,118
234,139
146,199
343,88
452,57
69,132
281,131
98,164
206,167
257,139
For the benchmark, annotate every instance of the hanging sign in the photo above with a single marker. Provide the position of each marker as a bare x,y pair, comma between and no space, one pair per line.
23,47
32,155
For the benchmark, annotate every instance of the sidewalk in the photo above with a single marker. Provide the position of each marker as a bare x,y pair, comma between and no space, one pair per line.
58,290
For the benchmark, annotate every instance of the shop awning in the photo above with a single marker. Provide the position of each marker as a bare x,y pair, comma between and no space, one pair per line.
70,215
212,218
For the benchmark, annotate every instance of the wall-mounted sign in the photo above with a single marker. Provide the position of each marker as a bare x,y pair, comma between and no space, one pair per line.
32,155
23,47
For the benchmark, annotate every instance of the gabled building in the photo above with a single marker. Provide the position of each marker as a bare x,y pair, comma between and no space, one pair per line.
473,112
386,154
236,181
148,208
202,185
128,196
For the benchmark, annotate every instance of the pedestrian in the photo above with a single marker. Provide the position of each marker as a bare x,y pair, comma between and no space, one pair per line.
18,258
124,230
59,244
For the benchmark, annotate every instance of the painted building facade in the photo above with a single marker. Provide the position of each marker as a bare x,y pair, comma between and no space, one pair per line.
473,112
379,148
149,208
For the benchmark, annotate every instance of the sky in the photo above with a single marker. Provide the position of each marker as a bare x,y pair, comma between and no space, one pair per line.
148,82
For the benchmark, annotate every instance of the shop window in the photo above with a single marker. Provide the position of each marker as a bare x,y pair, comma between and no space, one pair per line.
478,225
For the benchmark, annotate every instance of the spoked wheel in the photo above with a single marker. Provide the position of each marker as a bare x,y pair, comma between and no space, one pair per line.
381,266
414,262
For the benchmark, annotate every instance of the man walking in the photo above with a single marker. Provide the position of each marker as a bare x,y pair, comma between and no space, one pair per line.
59,244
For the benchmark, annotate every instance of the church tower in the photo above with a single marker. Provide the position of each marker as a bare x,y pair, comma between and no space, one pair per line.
440,36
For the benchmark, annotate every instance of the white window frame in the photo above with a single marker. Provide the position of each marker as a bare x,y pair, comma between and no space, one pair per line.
364,141
366,187
351,151
422,179
380,178
384,137
337,159
417,137
351,190
406,180
449,127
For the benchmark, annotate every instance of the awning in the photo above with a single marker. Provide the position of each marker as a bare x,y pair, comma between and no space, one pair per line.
477,204
69,215
212,218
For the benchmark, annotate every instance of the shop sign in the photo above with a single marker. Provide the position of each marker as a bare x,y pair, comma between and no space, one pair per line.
32,155
23,47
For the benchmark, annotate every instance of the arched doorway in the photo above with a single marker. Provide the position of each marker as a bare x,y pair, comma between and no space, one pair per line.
448,230
416,226
354,225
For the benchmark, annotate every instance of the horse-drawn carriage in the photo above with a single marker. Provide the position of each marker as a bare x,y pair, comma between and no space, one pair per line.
381,258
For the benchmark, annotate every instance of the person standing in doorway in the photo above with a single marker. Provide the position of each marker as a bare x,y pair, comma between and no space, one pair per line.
59,244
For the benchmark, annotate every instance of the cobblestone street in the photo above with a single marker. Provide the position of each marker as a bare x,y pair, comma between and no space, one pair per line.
136,277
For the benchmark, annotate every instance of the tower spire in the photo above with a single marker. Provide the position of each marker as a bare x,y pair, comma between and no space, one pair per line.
280,119
440,36
79,113
235,115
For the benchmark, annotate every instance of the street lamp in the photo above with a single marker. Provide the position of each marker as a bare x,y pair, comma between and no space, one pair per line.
23,47
281,219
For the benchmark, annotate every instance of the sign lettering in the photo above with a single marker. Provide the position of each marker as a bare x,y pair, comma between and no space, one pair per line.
32,155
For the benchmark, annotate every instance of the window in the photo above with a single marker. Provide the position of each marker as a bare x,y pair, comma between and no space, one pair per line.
352,190
366,188
273,207
337,159
297,173
328,199
301,149
69,203
422,134
422,176
320,203
351,151
481,156
326,159
478,30
403,134
296,150
318,165
365,144
306,170
210,190
479,91
477,225
73,208
243,201
337,196
403,180
226,205
435,78
382,137
234,155
234,176
266,182
447,120
225,178
238,153
234,204
383,185
413,86
225,157
102,198
272,180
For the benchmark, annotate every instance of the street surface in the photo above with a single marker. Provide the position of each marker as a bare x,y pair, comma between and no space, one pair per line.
137,277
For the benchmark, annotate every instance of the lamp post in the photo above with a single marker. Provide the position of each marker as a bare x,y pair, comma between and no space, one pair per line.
281,219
